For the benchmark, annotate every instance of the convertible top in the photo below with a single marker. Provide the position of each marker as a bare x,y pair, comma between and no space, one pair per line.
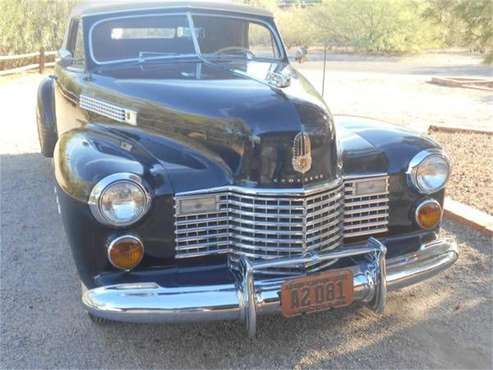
89,8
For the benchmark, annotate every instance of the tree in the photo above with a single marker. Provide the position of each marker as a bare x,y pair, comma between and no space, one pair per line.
374,25
464,23
477,17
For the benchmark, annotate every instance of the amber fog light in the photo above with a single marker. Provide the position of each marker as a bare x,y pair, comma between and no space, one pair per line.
428,214
125,252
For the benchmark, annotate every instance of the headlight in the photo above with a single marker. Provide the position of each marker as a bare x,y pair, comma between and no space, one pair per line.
428,171
120,199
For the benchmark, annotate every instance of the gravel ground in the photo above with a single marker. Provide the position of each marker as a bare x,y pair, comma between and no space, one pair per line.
444,323
396,89
471,155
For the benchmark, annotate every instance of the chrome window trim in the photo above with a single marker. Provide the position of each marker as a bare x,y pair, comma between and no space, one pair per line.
417,160
192,32
278,42
98,189
189,15
116,240
202,7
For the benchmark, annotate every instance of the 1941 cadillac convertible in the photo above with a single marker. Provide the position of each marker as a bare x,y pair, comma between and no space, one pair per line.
201,177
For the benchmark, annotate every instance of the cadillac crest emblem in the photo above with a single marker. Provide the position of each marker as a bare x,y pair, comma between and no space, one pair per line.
302,153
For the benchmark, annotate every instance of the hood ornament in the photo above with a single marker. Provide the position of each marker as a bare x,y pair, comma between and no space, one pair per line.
302,153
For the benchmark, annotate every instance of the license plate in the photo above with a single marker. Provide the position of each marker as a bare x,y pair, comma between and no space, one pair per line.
331,289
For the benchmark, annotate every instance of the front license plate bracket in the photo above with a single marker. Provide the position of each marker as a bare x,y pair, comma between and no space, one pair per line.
314,293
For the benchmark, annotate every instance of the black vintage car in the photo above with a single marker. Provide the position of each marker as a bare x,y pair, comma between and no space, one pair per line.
200,176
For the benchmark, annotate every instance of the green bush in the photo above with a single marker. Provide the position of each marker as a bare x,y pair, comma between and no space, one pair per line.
27,25
372,26
381,26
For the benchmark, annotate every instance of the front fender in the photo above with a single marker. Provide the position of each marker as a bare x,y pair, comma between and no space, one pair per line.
82,158
86,155
370,147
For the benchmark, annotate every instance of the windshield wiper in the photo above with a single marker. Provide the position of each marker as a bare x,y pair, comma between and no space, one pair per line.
151,55
137,61
226,57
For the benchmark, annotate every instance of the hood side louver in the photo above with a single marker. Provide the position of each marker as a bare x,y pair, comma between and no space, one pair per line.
108,110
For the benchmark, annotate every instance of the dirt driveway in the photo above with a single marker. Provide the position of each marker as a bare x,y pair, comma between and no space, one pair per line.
444,323
396,89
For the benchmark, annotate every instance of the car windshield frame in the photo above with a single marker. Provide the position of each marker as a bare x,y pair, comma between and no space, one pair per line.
276,39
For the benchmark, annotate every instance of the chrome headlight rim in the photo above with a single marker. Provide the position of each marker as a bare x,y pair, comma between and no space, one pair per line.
102,185
417,160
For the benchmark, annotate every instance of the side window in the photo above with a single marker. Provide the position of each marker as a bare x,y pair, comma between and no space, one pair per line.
260,41
78,47
75,43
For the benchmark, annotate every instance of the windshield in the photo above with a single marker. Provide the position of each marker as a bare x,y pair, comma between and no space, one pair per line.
141,37
233,37
150,37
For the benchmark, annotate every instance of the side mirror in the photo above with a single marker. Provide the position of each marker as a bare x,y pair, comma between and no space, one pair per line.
66,57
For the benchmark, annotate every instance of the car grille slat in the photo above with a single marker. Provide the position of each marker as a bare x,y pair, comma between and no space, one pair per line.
266,225
365,214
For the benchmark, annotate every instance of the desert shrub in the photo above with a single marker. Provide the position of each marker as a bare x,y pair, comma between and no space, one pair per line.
295,27
477,17
367,25
466,23
374,25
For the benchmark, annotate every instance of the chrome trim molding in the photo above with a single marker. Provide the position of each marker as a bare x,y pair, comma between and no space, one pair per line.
117,240
198,6
189,14
422,204
247,298
417,160
101,186
265,191
108,110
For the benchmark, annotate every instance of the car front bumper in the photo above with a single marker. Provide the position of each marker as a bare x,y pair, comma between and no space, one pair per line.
246,297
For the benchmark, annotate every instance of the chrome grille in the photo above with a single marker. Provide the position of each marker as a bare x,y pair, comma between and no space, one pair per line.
108,110
365,214
279,224
263,226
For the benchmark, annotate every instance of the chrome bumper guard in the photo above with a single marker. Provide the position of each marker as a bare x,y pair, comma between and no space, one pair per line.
247,298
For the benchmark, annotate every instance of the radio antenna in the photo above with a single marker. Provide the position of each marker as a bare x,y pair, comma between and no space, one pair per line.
323,75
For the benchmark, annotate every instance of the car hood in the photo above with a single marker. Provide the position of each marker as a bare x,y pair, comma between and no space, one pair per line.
227,114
